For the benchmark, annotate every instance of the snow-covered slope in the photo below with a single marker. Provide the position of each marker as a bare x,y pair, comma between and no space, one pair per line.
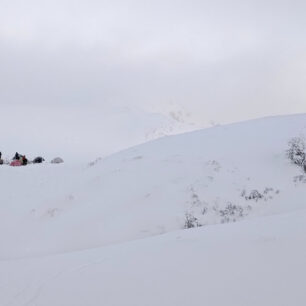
258,262
212,176
81,133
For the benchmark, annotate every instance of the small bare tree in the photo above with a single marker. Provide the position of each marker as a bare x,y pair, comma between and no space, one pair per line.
296,151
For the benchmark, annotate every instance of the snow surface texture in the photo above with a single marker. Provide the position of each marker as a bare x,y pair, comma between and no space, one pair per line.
72,233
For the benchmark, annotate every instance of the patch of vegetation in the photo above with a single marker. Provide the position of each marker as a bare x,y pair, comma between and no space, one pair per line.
297,151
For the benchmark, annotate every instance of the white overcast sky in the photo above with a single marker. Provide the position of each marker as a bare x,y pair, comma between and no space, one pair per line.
225,60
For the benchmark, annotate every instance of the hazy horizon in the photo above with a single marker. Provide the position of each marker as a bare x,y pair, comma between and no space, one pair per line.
220,61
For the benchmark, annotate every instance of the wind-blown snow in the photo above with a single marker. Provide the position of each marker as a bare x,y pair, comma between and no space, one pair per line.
68,232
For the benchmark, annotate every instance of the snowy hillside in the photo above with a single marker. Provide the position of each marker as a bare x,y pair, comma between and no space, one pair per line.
82,133
70,233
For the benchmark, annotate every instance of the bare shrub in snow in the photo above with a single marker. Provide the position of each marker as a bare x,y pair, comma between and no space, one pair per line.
232,212
254,195
191,221
197,206
296,151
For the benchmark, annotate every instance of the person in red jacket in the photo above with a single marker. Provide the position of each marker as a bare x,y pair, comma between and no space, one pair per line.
24,160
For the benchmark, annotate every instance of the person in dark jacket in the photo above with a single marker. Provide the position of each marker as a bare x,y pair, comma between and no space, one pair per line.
17,156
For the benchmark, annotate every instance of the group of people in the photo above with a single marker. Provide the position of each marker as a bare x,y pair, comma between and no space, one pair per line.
21,160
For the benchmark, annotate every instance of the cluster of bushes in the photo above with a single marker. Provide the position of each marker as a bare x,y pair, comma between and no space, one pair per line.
255,195
296,153
230,213
199,210
233,212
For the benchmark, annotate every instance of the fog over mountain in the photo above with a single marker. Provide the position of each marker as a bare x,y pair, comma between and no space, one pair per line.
220,61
